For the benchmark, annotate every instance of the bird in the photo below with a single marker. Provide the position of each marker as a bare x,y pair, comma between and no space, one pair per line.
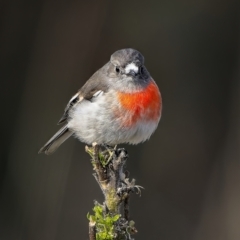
120,103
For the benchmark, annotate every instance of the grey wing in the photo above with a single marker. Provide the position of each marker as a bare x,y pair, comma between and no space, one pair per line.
98,82
74,100
92,88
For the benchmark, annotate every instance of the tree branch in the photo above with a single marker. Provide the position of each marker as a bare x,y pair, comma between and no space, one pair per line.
92,230
108,164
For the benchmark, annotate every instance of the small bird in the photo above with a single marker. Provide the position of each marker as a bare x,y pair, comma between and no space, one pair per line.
120,103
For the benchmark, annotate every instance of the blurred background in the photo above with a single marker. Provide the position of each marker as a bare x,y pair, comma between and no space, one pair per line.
191,166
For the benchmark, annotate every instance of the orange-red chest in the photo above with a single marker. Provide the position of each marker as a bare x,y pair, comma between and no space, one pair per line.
143,105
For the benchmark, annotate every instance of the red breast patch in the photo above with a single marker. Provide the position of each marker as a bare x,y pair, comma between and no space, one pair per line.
144,105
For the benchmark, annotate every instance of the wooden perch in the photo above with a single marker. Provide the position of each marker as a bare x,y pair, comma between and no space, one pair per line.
108,222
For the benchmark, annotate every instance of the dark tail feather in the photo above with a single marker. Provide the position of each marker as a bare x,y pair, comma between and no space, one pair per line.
51,146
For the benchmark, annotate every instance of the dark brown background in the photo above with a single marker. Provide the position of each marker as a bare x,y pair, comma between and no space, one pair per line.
191,166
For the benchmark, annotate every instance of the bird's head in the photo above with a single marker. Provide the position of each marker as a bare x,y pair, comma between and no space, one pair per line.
126,66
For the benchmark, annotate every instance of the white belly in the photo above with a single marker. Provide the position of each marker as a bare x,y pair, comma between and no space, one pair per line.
95,122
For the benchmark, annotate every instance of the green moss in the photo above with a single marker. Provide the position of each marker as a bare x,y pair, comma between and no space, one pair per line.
103,156
105,223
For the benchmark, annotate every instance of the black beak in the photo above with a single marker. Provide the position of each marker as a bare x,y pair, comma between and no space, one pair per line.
132,73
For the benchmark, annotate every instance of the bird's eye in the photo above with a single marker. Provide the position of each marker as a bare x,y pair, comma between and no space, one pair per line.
117,69
141,70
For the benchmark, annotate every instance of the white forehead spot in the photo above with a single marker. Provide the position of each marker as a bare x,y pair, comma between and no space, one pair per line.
131,66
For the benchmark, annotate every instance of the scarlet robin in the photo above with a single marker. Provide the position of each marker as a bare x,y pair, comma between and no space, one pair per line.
120,103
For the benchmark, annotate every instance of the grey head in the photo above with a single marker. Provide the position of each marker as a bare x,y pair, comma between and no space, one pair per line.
124,57
128,65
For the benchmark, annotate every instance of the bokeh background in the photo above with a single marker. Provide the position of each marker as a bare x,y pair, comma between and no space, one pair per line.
191,166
